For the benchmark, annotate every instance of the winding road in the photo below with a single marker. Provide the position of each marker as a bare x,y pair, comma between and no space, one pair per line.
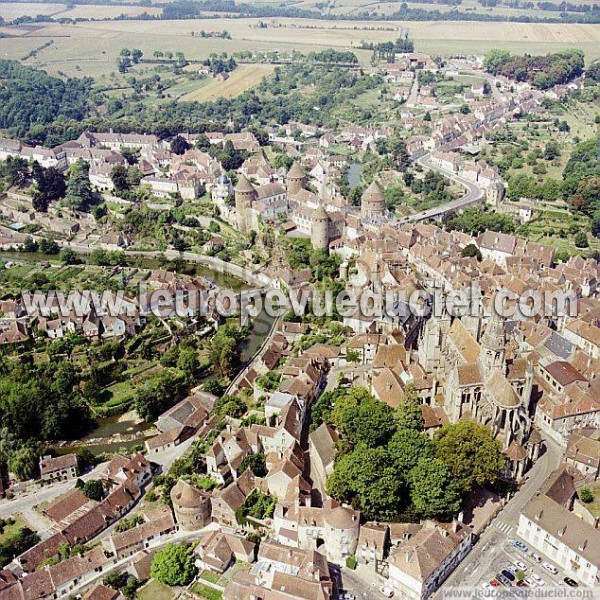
472,196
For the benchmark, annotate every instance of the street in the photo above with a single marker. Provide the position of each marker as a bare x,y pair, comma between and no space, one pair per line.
492,549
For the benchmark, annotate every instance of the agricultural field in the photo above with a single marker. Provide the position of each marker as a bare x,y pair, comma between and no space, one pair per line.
72,54
243,78
14,10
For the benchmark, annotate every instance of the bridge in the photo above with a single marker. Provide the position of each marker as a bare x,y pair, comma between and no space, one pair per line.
473,195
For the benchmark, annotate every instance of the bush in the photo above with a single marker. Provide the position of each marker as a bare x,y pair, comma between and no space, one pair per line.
351,563
586,495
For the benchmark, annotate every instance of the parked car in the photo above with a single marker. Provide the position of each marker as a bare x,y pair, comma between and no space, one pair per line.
487,586
494,583
570,582
536,557
510,576
503,580
521,565
522,584
520,545
386,591
530,582
538,579
550,568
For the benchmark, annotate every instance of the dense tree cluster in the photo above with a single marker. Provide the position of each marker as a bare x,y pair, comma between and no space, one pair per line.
174,565
333,56
474,221
542,71
30,98
42,402
387,468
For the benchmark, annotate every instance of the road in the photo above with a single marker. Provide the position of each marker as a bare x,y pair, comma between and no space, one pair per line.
473,195
490,551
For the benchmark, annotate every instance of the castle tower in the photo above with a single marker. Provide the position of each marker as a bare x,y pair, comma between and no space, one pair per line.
191,505
372,203
493,343
319,233
295,179
244,195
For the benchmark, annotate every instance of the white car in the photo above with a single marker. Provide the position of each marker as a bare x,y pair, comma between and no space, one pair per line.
521,565
386,591
550,568
536,557
537,579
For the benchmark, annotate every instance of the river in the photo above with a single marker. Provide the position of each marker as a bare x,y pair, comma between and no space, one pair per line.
133,429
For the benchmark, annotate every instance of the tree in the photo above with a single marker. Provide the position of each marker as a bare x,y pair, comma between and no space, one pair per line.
79,190
363,419
119,178
174,565
407,447
93,489
179,145
158,394
494,60
471,250
24,462
224,352
68,256
586,495
581,240
409,414
366,479
256,463
470,452
433,491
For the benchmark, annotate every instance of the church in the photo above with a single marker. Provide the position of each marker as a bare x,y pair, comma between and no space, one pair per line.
476,379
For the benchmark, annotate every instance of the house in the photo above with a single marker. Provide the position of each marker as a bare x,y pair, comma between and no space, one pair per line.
548,524
583,451
61,468
322,451
420,564
159,522
217,551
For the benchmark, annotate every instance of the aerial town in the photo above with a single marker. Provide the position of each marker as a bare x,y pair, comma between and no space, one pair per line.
352,455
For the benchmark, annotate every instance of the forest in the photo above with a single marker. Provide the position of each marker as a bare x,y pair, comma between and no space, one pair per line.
542,71
30,98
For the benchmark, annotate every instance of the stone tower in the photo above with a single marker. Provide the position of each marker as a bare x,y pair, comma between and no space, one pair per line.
372,203
493,343
244,195
319,233
191,505
295,179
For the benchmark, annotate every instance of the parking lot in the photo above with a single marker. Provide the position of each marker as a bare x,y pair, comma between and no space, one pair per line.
522,567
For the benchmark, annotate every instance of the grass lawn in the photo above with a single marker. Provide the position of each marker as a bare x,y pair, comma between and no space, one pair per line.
154,590
206,592
10,530
210,576
594,507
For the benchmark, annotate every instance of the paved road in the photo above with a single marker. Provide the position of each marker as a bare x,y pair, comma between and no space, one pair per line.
491,549
473,195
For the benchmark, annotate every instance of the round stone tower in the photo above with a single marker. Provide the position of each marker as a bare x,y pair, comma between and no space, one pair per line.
244,195
372,203
191,505
342,527
295,179
319,233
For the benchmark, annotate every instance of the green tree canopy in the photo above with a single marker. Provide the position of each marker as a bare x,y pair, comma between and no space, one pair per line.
174,565
363,419
433,490
367,480
470,452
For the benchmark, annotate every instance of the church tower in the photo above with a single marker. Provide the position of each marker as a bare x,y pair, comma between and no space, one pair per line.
493,343
244,195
